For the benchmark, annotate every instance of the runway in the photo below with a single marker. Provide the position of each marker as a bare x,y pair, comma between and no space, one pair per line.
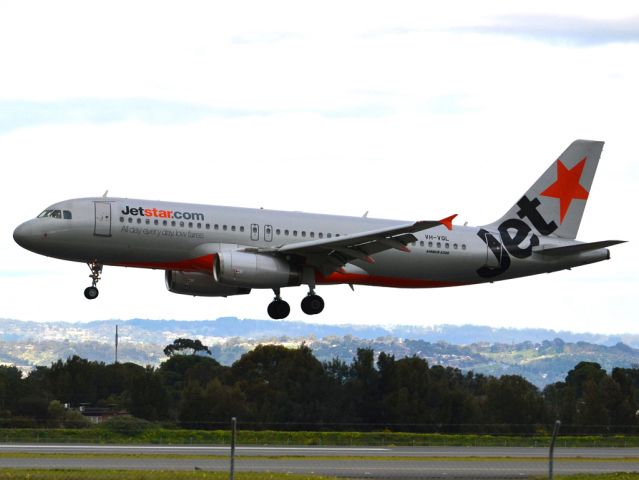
352,462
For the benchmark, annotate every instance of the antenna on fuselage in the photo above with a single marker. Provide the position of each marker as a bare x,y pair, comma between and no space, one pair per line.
365,214
106,192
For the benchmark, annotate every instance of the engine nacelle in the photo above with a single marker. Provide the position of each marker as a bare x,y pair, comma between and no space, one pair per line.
199,284
255,270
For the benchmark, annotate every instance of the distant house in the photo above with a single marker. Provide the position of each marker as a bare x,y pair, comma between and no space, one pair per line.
98,414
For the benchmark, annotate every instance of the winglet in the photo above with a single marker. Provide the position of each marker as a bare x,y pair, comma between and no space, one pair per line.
448,222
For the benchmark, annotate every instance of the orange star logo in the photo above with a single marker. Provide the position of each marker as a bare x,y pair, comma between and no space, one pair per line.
567,187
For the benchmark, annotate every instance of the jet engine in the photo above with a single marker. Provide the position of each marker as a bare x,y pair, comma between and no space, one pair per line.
255,270
200,284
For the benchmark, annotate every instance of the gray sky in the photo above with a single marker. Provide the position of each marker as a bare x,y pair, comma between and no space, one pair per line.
410,110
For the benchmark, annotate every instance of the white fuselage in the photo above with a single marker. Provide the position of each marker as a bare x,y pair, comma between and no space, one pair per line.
187,237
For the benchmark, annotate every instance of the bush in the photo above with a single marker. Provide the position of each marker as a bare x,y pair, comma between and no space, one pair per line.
126,425
74,419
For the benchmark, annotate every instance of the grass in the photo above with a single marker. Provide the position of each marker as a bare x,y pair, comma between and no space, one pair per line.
270,437
63,474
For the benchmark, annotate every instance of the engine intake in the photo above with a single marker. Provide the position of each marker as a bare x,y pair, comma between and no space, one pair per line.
199,284
255,270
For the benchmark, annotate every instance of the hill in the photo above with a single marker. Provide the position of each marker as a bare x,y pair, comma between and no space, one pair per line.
541,356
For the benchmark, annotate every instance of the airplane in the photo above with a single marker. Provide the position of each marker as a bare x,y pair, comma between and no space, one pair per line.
219,251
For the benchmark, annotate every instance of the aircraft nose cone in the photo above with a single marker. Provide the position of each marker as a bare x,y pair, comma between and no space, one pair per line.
23,234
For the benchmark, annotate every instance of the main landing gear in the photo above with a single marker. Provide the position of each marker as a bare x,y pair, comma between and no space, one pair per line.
278,308
311,305
92,292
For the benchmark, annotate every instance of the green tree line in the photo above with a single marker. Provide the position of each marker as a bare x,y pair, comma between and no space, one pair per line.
283,388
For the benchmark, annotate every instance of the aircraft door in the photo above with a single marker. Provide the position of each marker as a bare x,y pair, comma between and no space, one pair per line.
102,219
268,233
255,232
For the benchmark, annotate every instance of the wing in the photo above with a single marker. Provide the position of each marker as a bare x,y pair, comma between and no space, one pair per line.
330,254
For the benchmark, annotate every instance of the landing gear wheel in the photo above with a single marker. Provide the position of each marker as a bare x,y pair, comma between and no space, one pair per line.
312,304
91,293
278,309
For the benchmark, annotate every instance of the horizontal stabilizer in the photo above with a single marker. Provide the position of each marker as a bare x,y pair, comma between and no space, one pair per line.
578,248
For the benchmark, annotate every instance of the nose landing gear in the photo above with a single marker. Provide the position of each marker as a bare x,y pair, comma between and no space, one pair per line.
92,292
278,308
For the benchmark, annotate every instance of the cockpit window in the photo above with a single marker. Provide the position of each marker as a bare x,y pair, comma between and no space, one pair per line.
66,214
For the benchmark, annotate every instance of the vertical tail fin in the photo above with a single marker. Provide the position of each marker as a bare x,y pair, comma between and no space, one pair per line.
555,203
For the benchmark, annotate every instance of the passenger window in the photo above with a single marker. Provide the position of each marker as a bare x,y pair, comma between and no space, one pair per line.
329,235
216,227
173,223
463,246
455,246
156,222
121,219
233,228
199,225
139,221
303,233
278,231
190,224
320,235
208,226
286,232
130,220
312,234
224,227
241,229
66,214
421,244
439,244
148,221
181,224
430,244
295,233
164,222
447,245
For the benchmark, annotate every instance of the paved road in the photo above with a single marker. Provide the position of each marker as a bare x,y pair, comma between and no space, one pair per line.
523,462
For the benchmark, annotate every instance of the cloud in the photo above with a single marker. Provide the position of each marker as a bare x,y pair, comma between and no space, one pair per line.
574,31
264,38
16,114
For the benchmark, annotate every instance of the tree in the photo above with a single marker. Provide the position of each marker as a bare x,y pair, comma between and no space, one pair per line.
363,387
212,405
282,384
185,346
511,399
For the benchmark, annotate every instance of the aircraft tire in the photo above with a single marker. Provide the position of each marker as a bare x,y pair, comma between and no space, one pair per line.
312,304
91,293
278,309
